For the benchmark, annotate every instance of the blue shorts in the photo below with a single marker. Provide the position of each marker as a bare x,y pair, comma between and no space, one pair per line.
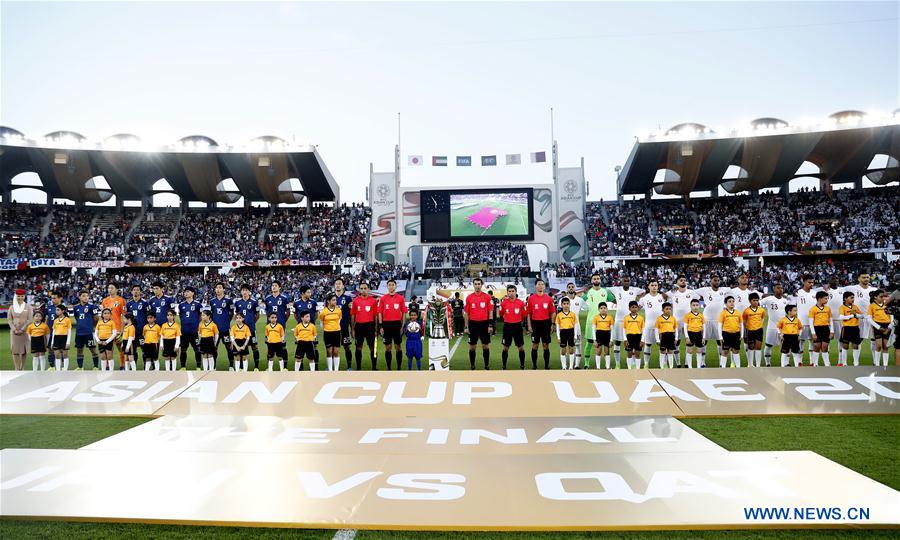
414,349
82,341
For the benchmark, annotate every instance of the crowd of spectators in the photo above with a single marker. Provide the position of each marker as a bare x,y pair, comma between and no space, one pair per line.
494,254
807,220
201,235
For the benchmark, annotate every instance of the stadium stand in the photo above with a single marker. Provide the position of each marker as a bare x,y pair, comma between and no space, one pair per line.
496,254
809,220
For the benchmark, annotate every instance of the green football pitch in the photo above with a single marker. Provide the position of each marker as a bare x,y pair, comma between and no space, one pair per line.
515,223
866,444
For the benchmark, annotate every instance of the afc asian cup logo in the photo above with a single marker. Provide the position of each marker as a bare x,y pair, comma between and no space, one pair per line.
570,186
382,190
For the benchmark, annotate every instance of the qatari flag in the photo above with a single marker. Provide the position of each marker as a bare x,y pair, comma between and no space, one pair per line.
486,217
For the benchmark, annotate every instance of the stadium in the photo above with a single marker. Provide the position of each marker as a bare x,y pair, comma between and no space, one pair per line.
224,338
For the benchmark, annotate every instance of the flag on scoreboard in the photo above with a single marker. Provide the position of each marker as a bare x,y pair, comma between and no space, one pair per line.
415,161
463,161
513,159
438,161
539,157
488,161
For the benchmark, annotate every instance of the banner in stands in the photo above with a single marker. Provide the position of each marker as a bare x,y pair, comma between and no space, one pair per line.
571,199
447,291
445,394
383,200
416,436
453,492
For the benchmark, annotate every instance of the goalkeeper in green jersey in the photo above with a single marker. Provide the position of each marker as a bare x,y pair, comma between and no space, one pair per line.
592,298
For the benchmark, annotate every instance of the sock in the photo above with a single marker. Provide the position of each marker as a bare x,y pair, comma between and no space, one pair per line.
647,350
630,362
589,348
298,364
884,358
230,354
576,360
768,355
533,358
471,359
65,363
270,366
389,356
409,363
826,358
52,359
349,355
418,364
35,362
487,358
255,358
617,353
504,356
689,359
671,360
313,362
736,359
80,360
547,358
564,361
797,359
842,356
133,365
855,357
521,358
147,365
701,362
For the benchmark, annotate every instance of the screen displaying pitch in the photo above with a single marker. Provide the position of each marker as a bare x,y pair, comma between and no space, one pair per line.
477,215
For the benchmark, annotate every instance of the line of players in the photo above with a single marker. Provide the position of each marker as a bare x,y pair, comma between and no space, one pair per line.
162,326
724,316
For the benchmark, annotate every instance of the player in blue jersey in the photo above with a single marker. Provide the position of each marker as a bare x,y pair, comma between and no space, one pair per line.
139,309
279,304
86,315
343,301
222,309
248,307
160,304
414,331
306,303
50,314
189,317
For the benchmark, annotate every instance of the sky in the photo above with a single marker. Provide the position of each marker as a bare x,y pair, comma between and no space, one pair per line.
467,78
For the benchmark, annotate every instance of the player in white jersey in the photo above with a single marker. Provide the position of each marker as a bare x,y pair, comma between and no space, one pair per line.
576,306
623,295
741,294
713,298
806,299
862,292
835,299
680,297
651,303
774,305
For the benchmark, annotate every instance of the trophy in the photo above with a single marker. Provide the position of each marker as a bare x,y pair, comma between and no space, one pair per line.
437,330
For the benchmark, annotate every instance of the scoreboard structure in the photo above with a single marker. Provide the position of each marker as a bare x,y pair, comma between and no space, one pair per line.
557,214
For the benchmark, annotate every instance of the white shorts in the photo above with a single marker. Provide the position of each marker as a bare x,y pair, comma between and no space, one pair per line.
679,331
649,337
618,333
772,336
711,331
805,334
865,329
837,324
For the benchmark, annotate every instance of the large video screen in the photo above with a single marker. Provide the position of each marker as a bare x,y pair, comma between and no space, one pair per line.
477,215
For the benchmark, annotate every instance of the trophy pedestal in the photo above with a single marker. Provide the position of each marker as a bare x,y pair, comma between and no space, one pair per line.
438,354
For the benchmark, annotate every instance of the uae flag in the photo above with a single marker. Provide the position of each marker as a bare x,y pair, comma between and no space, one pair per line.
539,157
415,161
438,161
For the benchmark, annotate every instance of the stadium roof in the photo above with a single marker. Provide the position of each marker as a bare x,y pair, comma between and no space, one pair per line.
195,167
768,152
